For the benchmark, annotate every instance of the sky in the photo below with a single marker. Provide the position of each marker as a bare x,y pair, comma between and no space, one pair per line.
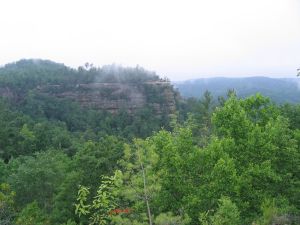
182,39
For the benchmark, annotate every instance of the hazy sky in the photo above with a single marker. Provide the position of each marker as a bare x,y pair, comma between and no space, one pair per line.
178,39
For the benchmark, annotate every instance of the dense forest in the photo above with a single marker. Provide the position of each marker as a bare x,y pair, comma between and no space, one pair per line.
280,90
213,160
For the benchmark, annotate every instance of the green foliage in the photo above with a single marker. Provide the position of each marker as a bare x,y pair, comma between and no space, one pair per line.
264,149
140,182
270,211
7,204
32,215
292,112
28,142
36,178
96,158
69,222
245,149
81,207
65,196
120,220
98,211
170,219
10,123
196,113
3,171
27,74
276,211
191,178
31,87
249,157
227,213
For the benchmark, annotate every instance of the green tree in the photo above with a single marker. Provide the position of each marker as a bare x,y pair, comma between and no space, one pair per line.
3,171
37,178
227,213
263,150
98,158
140,183
98,211
28,142
32,215
65,196
170,219
7,206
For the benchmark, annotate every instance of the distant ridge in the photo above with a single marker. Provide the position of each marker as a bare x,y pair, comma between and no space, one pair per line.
280,90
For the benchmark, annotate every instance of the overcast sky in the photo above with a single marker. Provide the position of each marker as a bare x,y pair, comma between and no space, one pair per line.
178,39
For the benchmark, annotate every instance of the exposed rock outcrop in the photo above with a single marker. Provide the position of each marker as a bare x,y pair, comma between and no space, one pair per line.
114,97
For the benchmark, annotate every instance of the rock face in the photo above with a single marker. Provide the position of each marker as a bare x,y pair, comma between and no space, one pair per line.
113,97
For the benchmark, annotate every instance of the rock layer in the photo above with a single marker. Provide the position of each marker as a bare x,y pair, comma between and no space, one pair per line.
113,97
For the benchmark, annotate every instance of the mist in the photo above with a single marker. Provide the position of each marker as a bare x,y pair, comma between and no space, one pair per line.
177,39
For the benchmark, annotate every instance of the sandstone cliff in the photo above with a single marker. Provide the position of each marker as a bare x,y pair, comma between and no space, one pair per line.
113,97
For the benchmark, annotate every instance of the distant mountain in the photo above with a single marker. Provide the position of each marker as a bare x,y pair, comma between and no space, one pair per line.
280,90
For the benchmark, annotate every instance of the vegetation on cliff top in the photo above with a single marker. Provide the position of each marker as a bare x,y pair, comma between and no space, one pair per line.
29,73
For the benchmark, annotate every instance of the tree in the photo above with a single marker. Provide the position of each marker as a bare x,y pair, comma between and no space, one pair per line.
249,157
3,171
7,206
98,211
169,218
263,150
37,178
140,183
226,214
96,158
32,215
28,142
176,168
65,196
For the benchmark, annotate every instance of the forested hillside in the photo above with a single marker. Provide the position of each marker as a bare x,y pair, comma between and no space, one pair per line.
167,161
280,90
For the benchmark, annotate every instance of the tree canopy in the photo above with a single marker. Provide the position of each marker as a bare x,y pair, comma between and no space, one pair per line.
224,161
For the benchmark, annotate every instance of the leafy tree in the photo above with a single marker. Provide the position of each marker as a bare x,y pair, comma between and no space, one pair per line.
263,150
169,218
28,142
70,222
103,203
98,158
227,213
292,112
141,183
3,171
65,196
32,215
37,178
7,206
11,123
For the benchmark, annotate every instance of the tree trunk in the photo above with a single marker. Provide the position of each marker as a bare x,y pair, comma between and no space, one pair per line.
145,192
